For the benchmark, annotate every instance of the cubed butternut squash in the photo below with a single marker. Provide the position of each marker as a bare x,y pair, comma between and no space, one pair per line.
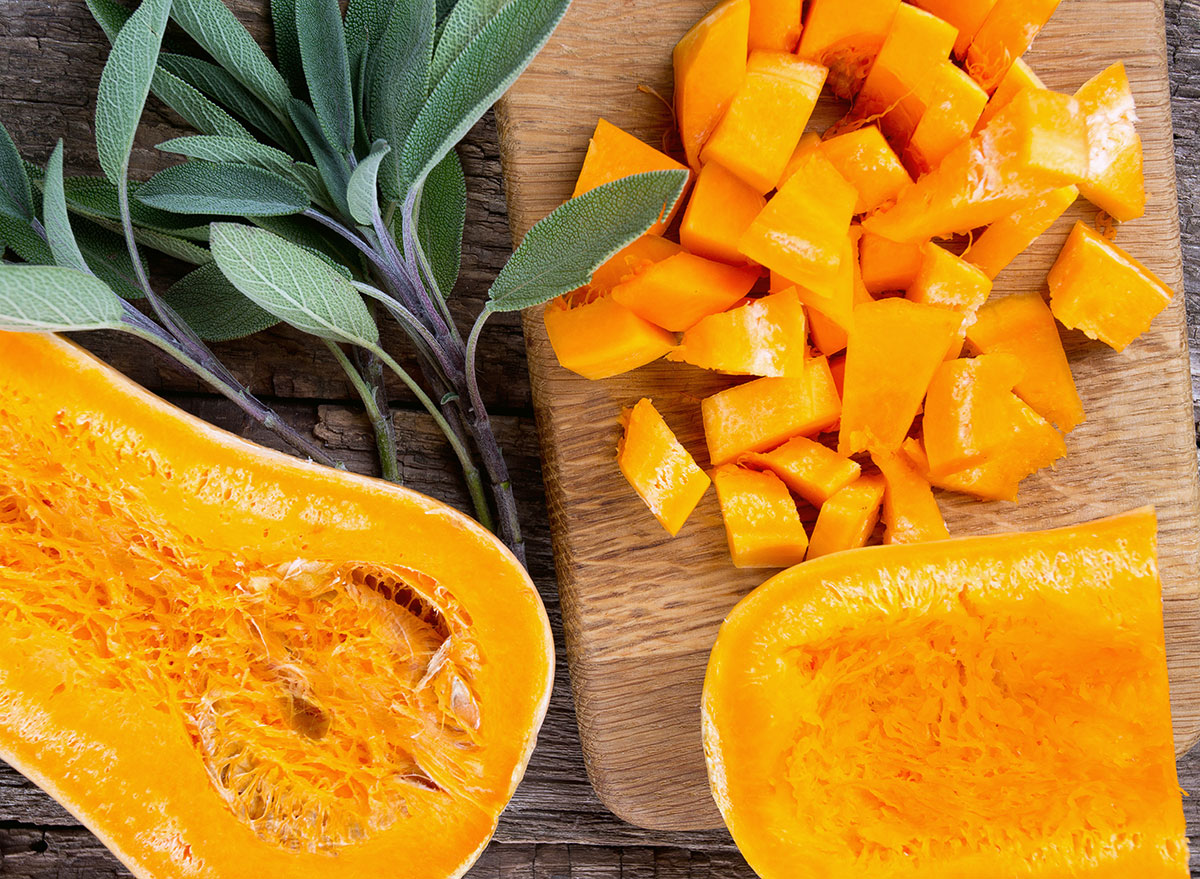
1115,182
965,15
764,337
635,258
1019,77
847,519
866,161
681,289
762,524
719,211
888,265
949,281
658,467
597,337
846,38
1005,34
955,104
910,511
775,25
809,469
1007,238
969,411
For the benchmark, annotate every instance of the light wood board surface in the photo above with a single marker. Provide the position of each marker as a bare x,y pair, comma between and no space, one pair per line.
641,610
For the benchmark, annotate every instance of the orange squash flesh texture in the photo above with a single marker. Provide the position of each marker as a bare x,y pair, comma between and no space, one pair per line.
949,281
847,519
710,65
830,328
278,669
763,124
660,470
955,105
969,411
775,25
910,511
764,337
888,265
719,211
866,161
1019,77
1099,289
1115,181
597,337
1005,239
1021,325
1004,36
1056,632
680,290
809,469
966,16
637,257
762,524
809,141
846,39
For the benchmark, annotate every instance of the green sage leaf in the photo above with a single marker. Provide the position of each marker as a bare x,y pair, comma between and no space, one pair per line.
398,81
287,45
362,195
292,284
462,24
327,69
444,8
214,308
441,216
235,151
110,15
314,237
16,195
108,258
365,22
171,245
335,173
561,251
222,190
215,83
97,199
196,110
55,299
57,222
24,242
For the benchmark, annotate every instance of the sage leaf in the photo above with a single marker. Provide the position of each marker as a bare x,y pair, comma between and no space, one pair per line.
464,21
97,199
125,84
24,242
110,15
287,45
219,86
57,222
362,195
108,258
179,248
214,308
398,80
222,190
292,284
327,69
478,76
561,251
233,151
197,110
217,30
441,216
335,173
444,7
55,299
365,22
16,195
314,237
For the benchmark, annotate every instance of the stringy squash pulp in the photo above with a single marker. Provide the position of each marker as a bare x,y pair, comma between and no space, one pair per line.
229,663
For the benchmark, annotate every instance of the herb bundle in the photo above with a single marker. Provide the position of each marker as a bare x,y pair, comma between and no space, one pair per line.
324,193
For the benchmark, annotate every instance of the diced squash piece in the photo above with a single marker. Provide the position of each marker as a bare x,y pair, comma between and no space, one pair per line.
681,289
847,519
969,410
837,368
954,107
866,161
613,154
846,39
965,15
1019,77
829,335
762,523
1004,240
719,212
811,470
809,141
888,265
660,470
1099,289
1021,325
1004,36
766,412
1115,181
599,338
763,337
775,25
910,511
710,65
835,298
894,348
763,124
948,281
637,257
802,231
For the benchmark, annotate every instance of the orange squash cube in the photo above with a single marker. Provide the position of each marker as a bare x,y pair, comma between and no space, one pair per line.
710,65
969,409
1115,182
965,15
766,412
846,39
1099,289
660,470
1004,36
635,258
866,161
835,299
598,337
955,105
763,337
1019,77
775,25
1021,325
829,334
681,289
811,470
910,511
837,368
895,346
762,523
948,281
764,121
888,265
719,211
847,519
1004,240
809,141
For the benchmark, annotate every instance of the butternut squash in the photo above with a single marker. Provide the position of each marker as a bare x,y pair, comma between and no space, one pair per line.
764,337
710,65
762,525
1115,180
1005,239
866,161
658,467
847,519
846,39
719,211
811,470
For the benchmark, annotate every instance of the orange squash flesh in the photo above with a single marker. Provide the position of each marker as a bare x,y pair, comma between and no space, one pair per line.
1007,238
597,337
1115,181
888,265
955,105
762,525
775,25
969,411
660,470
1004,36
966,16
866,161
830,328
809,469
764,337
1019,77
635,258
846,39
847,519
949,281
680,290
870,713
719,211
910,511
279,669
1098,288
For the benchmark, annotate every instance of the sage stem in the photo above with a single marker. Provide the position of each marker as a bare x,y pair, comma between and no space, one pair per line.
385,437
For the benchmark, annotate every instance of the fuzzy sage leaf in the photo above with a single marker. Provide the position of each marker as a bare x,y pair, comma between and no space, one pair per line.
57,222
197,110
56,300
216,309
327,68
441,218
108,258
97,199
561,251
228,95
464,21
233,151
222,190
20,238
287,44
335,173
362,195
16,195
398,80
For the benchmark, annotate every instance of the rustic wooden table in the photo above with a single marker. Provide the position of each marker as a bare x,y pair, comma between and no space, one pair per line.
50,59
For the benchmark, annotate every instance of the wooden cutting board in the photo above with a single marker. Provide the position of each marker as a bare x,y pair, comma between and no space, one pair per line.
641,610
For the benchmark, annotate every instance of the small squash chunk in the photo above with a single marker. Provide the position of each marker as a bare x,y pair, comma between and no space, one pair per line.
1007,238
894,348
986,708
846,39
829,334
660,470
1004,36
969,410
764,122
802,231
710,65
1019,77
809,469
910,511
1099,289
762,523
635,258
719,212
1021,325
677,292
847,519
809,141
965,15
761,414
598,337
949,281
835,299
1115,181
764,337
864,158
775,25
955,104
888,265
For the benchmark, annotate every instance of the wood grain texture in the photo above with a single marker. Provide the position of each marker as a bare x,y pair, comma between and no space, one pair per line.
640,609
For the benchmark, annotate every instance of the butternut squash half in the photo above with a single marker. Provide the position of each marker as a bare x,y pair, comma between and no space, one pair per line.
230,663
980,707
